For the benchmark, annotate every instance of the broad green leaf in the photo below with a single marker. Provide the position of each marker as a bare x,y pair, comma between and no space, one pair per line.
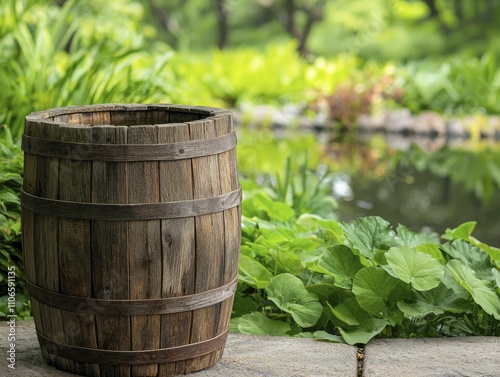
481,292
418,269
290,295
275,210
308,221
471,257
411,239
366,330
493,252
233,325
253,273
285,261
369,234
323,335
372,287
304,335
324,291
341,264
433,250
331,228
349,312
451,283
309,243
257,249
257,323
243,304
496,274
435,301
273,236
462,231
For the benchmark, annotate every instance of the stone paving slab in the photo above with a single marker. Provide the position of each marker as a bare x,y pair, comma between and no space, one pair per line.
437,357
244,356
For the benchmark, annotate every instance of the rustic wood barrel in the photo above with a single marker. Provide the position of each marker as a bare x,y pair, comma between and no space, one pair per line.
131,233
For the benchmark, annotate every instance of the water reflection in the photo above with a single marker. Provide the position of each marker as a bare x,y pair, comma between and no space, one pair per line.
437,185
421,182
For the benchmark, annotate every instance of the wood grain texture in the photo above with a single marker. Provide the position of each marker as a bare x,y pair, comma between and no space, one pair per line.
28,222
144,249
209,245
75,256
228,174
110,263
46,244
178,244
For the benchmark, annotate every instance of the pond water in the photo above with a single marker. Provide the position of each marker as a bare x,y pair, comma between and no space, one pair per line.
428,185
425,184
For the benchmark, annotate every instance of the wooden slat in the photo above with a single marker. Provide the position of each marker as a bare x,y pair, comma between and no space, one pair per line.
228,174
183,116
101,118
178,244
157,117
209,245
75,248
46,243
144,249
28,225
110,264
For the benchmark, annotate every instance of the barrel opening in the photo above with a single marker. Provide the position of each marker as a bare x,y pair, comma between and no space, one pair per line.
130,118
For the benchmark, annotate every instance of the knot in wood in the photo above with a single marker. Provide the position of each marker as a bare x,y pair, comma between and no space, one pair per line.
104,294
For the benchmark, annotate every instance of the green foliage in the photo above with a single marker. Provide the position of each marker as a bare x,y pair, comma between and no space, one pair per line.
467,85
247,75
49,61
10,225
292,184
352,282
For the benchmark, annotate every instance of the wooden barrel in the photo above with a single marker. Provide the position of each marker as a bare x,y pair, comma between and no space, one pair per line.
131,233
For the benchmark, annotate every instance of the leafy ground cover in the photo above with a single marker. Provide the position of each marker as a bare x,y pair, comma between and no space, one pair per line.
314,277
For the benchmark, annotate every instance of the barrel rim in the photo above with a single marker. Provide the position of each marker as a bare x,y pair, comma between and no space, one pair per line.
45,115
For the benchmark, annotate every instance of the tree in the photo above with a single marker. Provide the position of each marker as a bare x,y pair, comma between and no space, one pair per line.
223,22
298,17
163,17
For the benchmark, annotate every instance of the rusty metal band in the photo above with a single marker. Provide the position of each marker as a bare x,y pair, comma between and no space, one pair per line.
128,152
139,211
170,305
112,357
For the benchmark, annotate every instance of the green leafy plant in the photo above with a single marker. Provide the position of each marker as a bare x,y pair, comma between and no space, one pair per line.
349,283
49,61
466,85
11,163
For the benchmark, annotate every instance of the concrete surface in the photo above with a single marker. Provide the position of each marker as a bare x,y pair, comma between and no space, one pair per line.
443,357
244,356
255,356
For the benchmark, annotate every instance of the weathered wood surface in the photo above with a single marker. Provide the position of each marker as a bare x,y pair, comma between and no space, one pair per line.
144,249
46,244
179,253
209,244
125,259
75,257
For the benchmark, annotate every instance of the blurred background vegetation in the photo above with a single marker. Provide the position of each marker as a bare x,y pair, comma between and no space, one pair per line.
332,60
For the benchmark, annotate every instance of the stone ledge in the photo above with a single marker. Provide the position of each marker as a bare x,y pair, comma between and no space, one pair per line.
259,356
244,356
